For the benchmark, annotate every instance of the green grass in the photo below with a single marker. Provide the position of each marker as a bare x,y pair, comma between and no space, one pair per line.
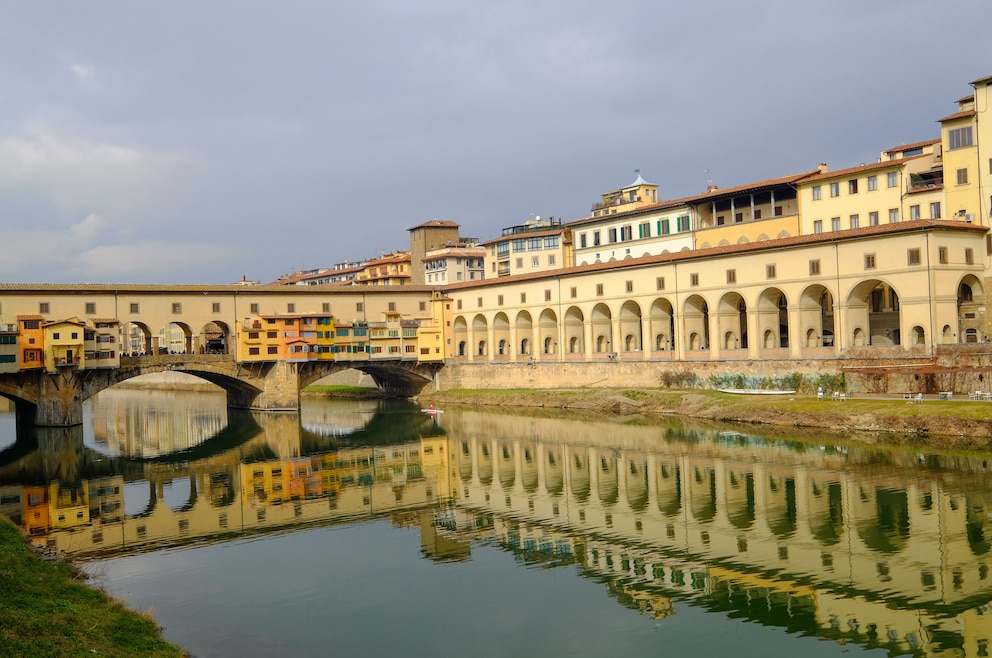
336,391
46,611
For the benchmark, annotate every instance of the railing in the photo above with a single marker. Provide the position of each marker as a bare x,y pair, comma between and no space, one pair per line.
918,182
618,201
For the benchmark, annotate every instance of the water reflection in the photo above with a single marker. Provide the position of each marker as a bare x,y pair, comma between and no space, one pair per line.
880,547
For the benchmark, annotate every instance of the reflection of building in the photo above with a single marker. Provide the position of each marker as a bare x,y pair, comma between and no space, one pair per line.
879,548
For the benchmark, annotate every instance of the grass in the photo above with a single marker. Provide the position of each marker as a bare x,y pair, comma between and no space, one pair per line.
336,391
46,611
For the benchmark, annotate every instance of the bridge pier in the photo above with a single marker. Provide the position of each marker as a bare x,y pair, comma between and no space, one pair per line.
280,389
59,402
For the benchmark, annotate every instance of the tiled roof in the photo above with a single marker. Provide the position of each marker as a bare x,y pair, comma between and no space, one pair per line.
957,115
556,230
105,320
435,223
230,289
764,245
965,99
982,81
914,145
30,316
884,164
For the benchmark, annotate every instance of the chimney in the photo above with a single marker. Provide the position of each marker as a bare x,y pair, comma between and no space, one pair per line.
822,167
711,188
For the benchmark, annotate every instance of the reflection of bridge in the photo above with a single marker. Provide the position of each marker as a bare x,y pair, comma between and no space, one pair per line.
57,399
793,535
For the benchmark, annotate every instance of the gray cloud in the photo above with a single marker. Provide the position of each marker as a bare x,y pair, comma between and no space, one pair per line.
218,139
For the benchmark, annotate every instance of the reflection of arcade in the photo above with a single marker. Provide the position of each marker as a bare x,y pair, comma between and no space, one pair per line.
810,538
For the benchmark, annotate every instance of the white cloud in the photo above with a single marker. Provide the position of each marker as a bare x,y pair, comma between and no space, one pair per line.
83,72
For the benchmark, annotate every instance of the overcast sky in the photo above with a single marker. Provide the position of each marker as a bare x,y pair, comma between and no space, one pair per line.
199,142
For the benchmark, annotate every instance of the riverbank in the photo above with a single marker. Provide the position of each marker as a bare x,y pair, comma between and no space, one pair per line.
46,611
943,423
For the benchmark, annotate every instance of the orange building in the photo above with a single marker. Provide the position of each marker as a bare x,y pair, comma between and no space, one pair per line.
31,339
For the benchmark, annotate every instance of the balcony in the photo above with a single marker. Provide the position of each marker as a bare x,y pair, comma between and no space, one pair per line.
614,202
927,180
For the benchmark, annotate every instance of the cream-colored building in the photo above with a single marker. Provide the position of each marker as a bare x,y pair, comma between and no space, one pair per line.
455,263
537,245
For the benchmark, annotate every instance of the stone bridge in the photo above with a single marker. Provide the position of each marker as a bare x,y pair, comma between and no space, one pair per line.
56,399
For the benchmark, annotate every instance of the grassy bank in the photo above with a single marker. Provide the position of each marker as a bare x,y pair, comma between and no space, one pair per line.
961,423
343,392
46,611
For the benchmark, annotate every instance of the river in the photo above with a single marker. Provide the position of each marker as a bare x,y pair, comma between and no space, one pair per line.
373,528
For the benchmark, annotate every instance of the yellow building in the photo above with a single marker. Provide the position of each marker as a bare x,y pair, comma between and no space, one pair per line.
959,132
389,270
64,344
633,196
9,348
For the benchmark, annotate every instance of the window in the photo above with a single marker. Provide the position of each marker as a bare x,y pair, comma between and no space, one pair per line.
872,183
595,238
778,211
834,189
520,263
535,261
272,349
855,221
731,276
479,302
573,292
817,193
893,215
599,289
873,218
720,221
942,255
665,227
818,226
626,233
892,178
55,335
90,308
693,279
523,298
177,307
659,283
757,213
519,244
215,307
959,138
253,351
644,230
835,224
969,256
534,244
914,212
770,271
683,223
551,259
613,235
134,309
551,242
547,295
392,307
814,267
629,286
582,240
935,210
43,308
359,307
852,186
499,300
326,307
738,217
962,176
271,334
912,256
869,261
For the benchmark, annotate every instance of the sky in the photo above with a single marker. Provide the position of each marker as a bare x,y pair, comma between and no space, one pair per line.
204,142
